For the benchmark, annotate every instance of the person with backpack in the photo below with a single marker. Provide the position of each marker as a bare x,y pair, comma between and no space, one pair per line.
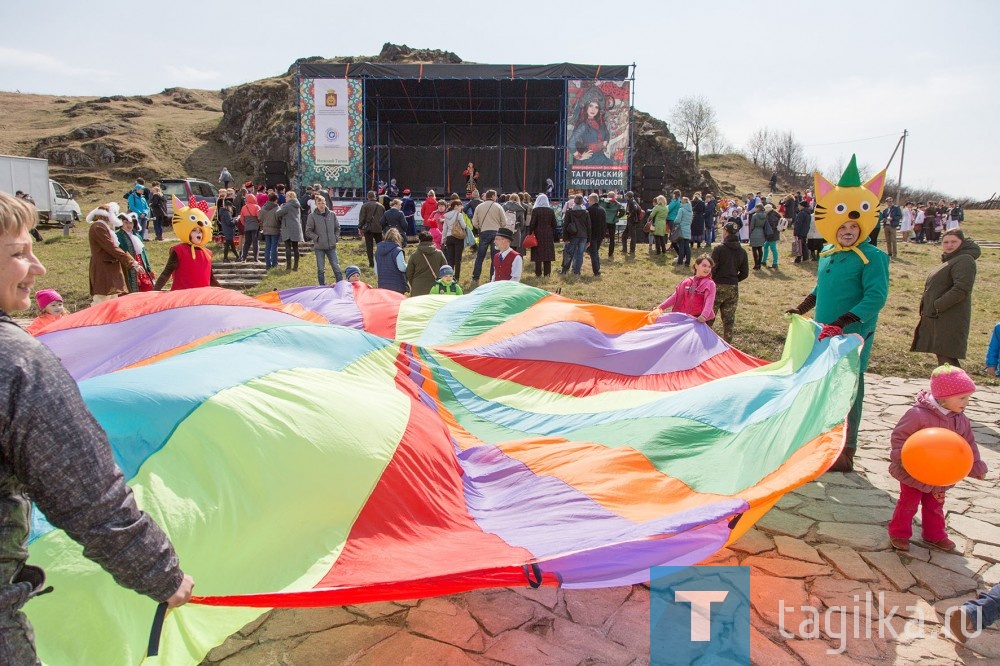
453,233
515,212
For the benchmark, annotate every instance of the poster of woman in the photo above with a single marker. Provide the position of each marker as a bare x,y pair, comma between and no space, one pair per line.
598,126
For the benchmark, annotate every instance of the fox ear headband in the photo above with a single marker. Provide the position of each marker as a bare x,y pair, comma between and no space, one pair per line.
849,200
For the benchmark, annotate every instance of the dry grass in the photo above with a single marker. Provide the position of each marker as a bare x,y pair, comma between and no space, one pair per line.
645,281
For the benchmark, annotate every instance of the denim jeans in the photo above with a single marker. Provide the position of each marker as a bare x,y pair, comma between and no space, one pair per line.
321,257
142,227
988,604
485,246
684,251
251,239
573,252
158,227
271,242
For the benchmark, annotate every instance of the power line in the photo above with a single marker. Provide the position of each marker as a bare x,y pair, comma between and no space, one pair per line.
836,143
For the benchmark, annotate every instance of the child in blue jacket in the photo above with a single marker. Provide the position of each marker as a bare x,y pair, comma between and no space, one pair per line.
993,353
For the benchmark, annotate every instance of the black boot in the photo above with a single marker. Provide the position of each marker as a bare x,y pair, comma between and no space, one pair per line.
844,463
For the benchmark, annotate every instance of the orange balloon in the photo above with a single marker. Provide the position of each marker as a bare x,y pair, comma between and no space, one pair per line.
937,456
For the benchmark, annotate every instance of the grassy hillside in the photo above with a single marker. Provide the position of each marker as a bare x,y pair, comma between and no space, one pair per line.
98,146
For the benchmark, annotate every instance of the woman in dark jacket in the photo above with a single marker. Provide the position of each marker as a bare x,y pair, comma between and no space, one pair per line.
946,306
158,209
698,221
543,225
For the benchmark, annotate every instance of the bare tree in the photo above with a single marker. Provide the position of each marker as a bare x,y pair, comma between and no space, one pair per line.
717,143
757,146
694,119
785,154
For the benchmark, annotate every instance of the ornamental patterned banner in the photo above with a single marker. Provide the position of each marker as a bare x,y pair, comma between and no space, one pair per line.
598,114
331,139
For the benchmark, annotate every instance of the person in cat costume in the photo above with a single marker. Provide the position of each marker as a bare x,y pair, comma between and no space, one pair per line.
190,262
853,277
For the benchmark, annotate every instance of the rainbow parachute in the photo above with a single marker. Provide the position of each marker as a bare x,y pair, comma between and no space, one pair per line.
421,447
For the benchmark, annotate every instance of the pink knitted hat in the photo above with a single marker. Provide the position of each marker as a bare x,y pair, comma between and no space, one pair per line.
46,296
948,380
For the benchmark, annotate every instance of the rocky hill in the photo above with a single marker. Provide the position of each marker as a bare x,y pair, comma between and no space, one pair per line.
98,144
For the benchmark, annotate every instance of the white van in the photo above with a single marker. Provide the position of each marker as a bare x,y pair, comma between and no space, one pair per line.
31,175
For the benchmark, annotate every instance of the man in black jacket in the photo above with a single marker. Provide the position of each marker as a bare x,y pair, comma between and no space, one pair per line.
731,268
370,225
800,229
598,223
576,233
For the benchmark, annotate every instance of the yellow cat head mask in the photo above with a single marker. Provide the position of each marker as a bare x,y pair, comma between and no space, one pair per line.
196,215
847,201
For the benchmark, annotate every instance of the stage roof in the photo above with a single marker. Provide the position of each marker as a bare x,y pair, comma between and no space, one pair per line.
372,70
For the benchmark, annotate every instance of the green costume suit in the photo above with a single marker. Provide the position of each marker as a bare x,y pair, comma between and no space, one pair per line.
844,283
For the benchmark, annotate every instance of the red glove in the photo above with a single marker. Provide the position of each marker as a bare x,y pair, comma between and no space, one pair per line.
830,330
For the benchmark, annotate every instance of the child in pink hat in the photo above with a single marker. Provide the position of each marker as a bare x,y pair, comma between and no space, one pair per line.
943,407
50,304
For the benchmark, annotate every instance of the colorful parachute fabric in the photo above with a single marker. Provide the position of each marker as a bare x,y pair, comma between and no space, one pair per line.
421,447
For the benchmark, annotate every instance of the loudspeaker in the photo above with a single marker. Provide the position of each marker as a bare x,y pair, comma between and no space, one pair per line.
275,179
275,167
654,171
652,184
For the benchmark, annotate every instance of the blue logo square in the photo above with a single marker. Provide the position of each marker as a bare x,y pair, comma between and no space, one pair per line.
699,615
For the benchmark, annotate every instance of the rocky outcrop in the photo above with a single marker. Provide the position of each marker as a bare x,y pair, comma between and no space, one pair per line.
654,144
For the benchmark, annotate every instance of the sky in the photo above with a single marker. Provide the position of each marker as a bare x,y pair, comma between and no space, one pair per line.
835,74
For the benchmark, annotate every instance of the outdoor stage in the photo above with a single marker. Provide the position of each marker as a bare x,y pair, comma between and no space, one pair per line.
421,125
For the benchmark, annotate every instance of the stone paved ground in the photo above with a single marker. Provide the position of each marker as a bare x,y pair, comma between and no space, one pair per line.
824,546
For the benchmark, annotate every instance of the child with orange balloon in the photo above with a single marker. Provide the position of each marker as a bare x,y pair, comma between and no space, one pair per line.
933,448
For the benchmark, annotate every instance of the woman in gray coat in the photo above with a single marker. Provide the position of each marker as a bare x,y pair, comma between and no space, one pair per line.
270,228
757,239
291,229
946,306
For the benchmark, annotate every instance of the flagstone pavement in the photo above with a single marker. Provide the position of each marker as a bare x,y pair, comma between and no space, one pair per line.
824,545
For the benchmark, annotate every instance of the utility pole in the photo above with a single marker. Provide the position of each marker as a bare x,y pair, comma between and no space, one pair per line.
901,142
902,155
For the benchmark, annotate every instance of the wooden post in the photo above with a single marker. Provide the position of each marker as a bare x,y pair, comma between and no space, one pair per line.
902,155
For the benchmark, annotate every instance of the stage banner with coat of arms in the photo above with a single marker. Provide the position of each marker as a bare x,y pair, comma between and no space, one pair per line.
331,139
599,114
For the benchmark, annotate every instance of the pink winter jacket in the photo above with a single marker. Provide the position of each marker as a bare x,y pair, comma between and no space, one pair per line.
694,296
925,414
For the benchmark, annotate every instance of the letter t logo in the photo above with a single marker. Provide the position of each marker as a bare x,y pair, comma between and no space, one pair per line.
701,610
